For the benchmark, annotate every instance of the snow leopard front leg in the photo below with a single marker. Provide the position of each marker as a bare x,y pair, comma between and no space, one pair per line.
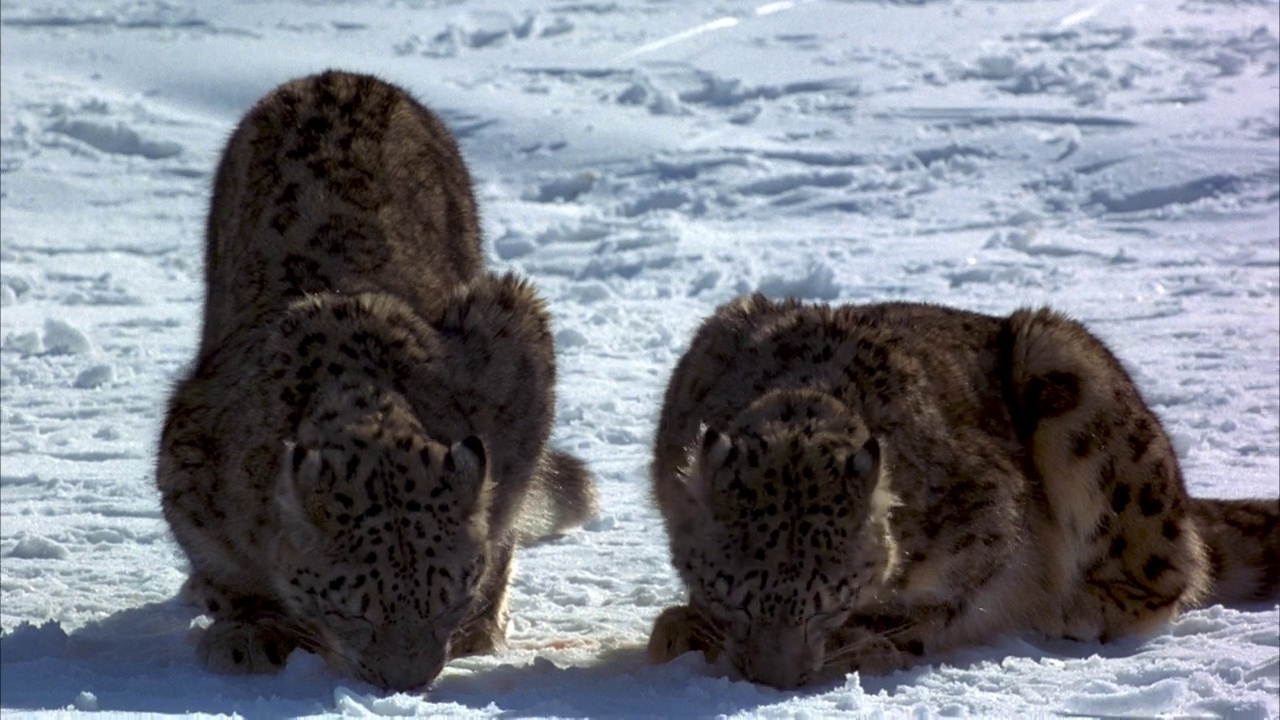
485,631
683,628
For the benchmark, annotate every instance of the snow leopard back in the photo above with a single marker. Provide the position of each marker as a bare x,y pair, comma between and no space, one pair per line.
337,182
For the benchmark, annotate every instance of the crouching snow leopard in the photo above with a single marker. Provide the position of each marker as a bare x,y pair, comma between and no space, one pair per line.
853,488
362,438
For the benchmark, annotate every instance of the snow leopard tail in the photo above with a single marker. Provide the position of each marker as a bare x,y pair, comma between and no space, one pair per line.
1243,539
562,496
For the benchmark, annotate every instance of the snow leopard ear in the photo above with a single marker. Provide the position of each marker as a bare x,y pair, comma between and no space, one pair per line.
862,468
466,471
467,456
714,450
718,449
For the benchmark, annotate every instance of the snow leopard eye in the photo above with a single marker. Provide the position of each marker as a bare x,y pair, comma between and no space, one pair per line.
356,632
827,621
444,624
731,614
721,586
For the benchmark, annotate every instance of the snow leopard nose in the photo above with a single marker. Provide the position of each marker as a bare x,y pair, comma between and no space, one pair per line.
781,656
401,671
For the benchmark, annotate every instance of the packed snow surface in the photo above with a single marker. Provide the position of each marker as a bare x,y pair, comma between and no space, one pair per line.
643,161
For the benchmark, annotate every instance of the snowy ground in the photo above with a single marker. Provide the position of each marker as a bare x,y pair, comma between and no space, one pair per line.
643,161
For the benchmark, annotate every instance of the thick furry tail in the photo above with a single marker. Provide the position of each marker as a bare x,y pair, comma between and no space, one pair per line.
563,496
1243,538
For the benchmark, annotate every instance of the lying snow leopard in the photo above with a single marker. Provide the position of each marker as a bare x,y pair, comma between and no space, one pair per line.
855,488
362,438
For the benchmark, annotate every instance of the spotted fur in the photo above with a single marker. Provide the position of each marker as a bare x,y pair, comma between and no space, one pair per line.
349,461
855,488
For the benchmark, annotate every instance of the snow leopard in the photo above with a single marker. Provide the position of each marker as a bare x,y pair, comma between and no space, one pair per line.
362,439
863,487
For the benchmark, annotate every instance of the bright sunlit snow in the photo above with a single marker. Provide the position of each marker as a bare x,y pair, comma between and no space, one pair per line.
643,161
